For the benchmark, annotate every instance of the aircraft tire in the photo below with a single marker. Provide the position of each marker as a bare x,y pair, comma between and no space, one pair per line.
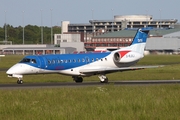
79,80
105,80
19,81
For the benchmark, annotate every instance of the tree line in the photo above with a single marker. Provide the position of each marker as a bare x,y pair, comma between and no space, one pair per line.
32,34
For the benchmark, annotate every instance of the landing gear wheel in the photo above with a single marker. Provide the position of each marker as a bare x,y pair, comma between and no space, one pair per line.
19,81
78,79
105,80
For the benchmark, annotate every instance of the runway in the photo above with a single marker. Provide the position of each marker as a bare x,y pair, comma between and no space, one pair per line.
86,84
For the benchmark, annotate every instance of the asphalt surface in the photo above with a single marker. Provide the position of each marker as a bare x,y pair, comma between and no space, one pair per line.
86,84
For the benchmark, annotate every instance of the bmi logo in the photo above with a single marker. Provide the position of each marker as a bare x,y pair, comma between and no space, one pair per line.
140,40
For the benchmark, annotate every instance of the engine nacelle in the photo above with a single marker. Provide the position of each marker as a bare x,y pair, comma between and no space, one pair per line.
117,57
129,58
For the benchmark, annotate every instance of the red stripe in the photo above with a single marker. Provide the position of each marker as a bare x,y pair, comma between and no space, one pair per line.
122,53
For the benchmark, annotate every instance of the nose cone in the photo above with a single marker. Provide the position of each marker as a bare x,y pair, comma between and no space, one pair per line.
16,69
13,69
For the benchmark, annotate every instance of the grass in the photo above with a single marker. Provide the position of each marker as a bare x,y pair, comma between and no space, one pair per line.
149,102
159,102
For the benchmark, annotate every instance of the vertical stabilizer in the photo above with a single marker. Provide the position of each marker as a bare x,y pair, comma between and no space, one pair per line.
139,41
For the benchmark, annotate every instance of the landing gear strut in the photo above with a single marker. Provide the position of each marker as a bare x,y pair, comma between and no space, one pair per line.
19,81
103,79
78,79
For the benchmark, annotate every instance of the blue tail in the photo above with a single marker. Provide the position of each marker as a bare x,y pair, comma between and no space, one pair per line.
141,35
139,42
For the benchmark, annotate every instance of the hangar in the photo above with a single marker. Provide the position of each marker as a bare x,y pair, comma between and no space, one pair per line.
35,49
168,43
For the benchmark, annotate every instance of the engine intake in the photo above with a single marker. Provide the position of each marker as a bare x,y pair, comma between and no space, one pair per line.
117,57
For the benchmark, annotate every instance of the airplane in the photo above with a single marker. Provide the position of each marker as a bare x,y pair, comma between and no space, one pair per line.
85,64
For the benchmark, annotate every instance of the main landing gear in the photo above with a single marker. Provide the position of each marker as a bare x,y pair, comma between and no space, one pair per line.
19,81
78,79
103,79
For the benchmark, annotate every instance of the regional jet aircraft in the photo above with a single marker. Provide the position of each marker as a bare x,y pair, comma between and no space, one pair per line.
85,64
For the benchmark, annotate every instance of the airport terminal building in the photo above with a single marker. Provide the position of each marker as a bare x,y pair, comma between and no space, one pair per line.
108,33
120,22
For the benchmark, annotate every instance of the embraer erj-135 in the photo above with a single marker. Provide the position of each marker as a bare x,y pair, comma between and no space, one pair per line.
85,64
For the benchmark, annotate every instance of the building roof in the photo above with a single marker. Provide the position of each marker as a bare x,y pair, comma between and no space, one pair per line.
131,33
172,35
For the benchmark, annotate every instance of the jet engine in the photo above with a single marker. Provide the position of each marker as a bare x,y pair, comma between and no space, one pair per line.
117,57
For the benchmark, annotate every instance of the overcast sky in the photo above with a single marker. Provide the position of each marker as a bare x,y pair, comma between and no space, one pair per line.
14,12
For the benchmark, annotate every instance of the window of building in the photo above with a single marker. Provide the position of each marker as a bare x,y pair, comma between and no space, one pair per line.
64,40
59,36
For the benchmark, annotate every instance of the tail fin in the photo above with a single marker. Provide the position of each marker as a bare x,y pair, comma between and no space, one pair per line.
139,41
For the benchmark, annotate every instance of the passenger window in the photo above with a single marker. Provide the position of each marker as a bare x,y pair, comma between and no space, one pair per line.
106,59
79,60
53,61
49,61
92,59
69,61
83,60
97,59
58,61
74,60
65,61
87,59
101,59
61,61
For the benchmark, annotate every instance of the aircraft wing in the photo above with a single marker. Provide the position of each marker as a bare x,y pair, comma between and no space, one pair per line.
110,70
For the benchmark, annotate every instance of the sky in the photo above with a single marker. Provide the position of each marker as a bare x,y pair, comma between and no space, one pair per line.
52,12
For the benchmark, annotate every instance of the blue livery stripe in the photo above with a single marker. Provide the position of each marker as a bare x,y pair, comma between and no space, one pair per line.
64,61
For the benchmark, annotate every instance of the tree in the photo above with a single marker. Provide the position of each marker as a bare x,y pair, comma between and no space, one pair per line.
32,34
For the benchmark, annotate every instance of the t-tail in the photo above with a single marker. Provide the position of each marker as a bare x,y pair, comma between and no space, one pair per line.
139,42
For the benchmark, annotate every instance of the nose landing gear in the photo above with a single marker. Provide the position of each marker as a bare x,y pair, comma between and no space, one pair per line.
103,78
19,81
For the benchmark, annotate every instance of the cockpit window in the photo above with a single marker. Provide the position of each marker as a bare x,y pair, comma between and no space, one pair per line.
33,61
25,60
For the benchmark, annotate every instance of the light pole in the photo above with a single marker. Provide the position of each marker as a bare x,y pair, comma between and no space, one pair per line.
5,33
160,18
146,18
23,26
92,21
51,29
41,28
112,21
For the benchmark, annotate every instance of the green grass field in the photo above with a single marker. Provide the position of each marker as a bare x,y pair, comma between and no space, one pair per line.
108,102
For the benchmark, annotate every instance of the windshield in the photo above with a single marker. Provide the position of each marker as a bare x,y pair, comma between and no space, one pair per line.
28,60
